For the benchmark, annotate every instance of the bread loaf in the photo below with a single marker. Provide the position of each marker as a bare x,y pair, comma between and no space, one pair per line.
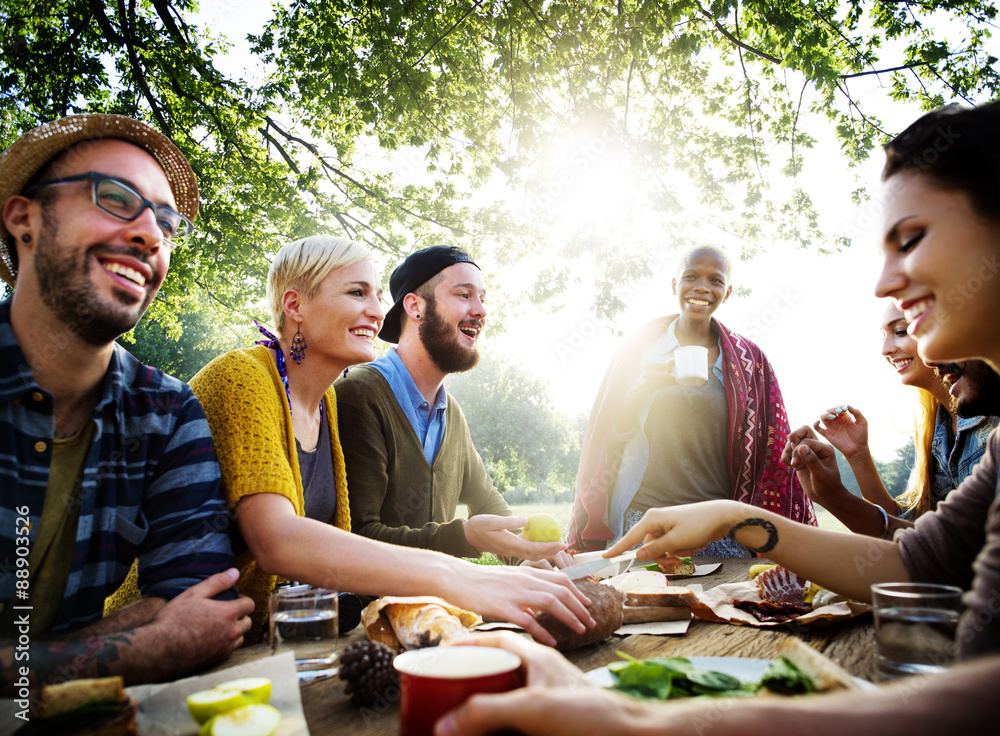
415,622
606,609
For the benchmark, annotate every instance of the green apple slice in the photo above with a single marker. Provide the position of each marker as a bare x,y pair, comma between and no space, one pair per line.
256,689
250,720
206,727
207,703
228,696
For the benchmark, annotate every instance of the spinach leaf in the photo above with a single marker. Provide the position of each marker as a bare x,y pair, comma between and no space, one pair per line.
784,678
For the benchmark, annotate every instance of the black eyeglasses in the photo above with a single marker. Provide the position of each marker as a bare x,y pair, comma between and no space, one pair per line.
122,201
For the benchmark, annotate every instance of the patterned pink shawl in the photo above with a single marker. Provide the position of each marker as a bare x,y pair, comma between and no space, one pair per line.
758,429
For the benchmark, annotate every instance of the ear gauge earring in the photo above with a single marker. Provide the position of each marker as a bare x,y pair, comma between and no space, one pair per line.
25,238
298,349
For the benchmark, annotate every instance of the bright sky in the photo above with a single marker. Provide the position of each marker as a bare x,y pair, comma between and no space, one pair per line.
814,315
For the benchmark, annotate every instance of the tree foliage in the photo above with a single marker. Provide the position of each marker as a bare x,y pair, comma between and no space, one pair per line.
530,449
694,112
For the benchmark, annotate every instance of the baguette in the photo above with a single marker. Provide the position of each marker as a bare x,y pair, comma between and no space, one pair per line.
415,622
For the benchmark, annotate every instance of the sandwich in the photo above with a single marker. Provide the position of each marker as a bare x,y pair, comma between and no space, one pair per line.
800,669
88,707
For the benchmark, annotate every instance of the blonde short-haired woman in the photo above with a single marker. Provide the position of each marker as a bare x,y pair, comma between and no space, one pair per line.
272,412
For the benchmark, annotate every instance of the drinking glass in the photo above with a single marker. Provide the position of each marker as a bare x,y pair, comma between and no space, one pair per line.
303,619
915,625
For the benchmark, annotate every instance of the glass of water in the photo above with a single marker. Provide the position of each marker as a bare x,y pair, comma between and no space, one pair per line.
303,619
915,625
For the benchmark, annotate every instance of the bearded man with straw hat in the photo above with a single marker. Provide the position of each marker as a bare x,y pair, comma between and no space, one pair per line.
102,460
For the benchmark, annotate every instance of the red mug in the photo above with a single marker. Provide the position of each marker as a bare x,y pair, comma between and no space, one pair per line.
433,681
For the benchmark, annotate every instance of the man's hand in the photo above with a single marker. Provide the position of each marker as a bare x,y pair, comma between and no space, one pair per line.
815,464
795,438
491,533
556,562
198,631
654,377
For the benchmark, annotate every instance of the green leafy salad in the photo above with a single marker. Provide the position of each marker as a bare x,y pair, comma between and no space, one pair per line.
663,678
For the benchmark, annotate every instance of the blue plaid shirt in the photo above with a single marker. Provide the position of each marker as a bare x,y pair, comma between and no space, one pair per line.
150,486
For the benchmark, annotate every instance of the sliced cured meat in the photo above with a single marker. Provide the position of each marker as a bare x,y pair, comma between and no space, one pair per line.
782,587
767,611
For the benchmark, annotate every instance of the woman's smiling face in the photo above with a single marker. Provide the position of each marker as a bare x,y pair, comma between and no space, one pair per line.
900,350
942,267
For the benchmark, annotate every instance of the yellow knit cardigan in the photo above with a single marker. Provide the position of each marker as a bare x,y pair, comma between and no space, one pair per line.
251,423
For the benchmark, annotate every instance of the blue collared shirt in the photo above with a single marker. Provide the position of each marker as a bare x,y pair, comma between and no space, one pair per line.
427,421
150,484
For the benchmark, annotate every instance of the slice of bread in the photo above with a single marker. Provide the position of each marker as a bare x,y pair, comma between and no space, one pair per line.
646,614
650,588
672,597
824,672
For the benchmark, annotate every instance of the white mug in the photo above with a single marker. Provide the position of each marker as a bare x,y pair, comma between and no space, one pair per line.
691,365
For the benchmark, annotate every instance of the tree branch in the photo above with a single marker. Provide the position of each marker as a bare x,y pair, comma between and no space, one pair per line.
448,32
721,29
885,71
281,149
367,190
140,77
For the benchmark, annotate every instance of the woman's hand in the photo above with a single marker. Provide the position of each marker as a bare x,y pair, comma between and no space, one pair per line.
517,594
845,428
667,534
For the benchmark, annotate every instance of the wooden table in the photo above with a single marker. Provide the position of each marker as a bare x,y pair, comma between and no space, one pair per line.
849,643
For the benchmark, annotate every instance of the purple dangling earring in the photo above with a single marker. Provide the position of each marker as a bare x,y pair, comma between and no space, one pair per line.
298,349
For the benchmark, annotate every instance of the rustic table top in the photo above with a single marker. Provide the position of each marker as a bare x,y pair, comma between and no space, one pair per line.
849,643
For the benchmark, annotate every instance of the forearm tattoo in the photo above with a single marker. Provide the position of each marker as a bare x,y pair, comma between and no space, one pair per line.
767,526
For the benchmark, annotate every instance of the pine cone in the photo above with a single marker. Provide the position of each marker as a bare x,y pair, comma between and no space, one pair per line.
366,667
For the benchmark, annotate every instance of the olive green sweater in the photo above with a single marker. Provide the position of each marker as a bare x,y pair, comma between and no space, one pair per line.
395,495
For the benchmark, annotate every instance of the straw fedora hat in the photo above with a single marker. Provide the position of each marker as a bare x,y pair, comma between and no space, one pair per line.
29,153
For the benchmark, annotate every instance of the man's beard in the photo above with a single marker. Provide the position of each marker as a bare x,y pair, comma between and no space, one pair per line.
442,344
66,289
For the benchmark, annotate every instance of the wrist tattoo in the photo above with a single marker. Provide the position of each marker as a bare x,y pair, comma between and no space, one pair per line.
767,526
